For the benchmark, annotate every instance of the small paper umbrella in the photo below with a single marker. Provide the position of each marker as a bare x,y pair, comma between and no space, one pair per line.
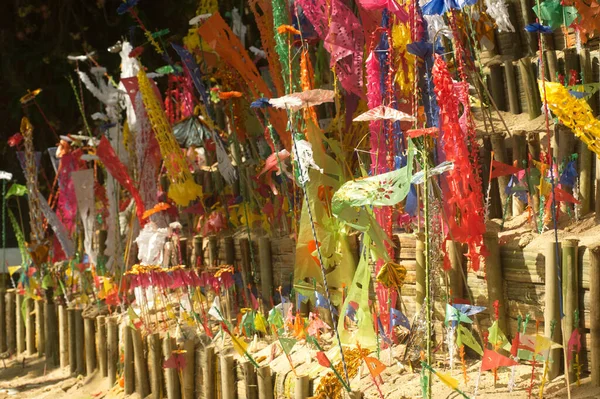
383,112
161,206
308,98
392,275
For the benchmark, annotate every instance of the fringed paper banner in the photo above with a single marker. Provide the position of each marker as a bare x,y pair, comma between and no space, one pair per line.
281,17
67,205
59,229
193,70
107,155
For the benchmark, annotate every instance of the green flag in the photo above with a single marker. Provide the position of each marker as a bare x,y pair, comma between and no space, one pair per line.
287,344
16,190
465,337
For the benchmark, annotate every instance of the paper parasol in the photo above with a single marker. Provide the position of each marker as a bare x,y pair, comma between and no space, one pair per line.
383,112
308,98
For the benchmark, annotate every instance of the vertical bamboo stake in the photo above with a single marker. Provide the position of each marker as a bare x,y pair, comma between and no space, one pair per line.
3,324
495,279
171,376
90,345
533,147
142,385
187,391
30,327
101,345
183,248
197,255
455,254
302,385
128,367
40,332
213,251
499,148
52,333
497,86
595,313
112,347
208,369
552,65
72,341
511,86
520,158
79,343
585,155
420,270
532,97
266,270
570,273
227,377
552,308
63,336
21,328
155,365
11,322
265,383
246,264
229,250
250,380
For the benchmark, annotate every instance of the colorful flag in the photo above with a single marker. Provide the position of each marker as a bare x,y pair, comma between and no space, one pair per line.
375,366
493,360
260,324
502,169
287,344
399,319
323,359
175,361
465,337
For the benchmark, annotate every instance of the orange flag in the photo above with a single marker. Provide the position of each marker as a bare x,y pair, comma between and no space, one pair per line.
492,360
502,169
374,366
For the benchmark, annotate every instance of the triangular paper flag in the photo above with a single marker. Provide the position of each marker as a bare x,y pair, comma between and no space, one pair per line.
13,269
287,344
492,360
239,345
215,309
465,337
496,336
542,343
447,379
375,366
323,359
502,169
260,324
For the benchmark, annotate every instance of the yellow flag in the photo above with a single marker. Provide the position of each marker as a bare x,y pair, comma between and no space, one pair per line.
542,343
13,269
447,379
239,345
260,323
108,286
170,312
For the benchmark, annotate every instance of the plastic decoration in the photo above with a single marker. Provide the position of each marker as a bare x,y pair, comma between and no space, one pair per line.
391,5
83,180
498,10
538,28
381,112
302,153
554,14
221,39
463,188
588,15
309,98
493,360
281,18
182,189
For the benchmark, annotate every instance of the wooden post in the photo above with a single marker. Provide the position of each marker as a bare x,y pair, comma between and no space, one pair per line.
3,324
302,385
455,278
213,251
499,148
420,271
90,345
30,327
266,270
40,332
79,343
11,322
72,341
495,279
21,321
533,147
183,248
265,383
63,336
155,365
229,250
171,377
597,189
496,83
197,255
530,44
142,385
534,104
128,367
585,177
208,370
52,350
250,380
227,377
552,309
595,313
552,65
101,345
520,158
246,264
112,348
187,391
511,88
570,271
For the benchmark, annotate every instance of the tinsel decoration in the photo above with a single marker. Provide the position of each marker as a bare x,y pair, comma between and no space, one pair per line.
330,386
182,189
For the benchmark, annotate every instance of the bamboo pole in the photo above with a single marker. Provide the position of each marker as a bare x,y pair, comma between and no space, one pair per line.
3,323
72,341
128,367
208,370
112,347
420,271
496,83
142,386
499,148
213,251
597,189
40,333
455,254
30,327
301,388
101,345
21,323
171,377
183,248
79,343
266,270
534,148
187,391
227,377
11,322
52,333
155,365
552,308
511,88
246,264
89,326
520,158
63,336
250,380
265,383
570,271
585,155
229,250
595,313
552,65
532,97
197,255
495,279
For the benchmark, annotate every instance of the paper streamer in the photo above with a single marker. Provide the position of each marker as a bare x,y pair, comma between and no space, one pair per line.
83,180
59,229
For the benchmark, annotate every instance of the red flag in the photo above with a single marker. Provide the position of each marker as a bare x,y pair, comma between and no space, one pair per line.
502,169
375,366
574,344
323,360
175,361
492,360
515,345
561,195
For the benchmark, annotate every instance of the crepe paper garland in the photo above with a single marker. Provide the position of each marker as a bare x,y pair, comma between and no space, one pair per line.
182,189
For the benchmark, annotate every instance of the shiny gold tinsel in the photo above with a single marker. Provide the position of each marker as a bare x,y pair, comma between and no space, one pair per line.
329,386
